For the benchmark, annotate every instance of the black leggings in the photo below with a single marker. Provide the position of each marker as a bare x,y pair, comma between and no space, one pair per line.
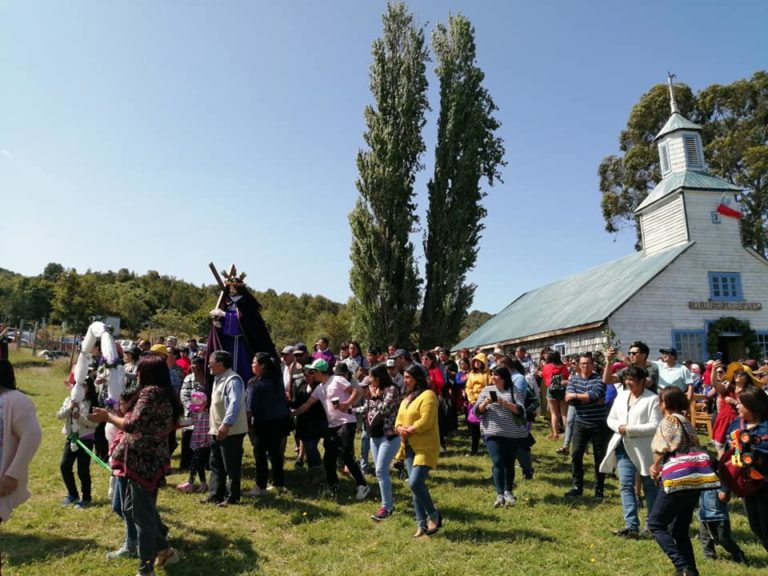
197,463
68,459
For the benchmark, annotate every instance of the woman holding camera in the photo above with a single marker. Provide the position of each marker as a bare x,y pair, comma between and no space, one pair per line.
753,416
505,430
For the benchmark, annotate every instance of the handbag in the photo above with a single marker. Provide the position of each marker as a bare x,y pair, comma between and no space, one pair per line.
471,418
689,469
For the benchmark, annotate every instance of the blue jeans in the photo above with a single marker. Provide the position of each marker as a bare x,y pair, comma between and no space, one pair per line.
626,472
131,536
669,522
384,450
365,449
417,482
569,422
503,453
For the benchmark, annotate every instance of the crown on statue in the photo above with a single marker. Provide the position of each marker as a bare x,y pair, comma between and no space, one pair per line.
232,277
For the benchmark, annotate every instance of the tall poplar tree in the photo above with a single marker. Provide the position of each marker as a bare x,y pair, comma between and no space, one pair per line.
383,278
467,151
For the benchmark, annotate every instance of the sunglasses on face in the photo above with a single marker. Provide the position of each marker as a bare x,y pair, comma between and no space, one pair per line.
633,352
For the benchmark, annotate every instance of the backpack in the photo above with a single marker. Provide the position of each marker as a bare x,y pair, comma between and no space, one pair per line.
532,403
736,468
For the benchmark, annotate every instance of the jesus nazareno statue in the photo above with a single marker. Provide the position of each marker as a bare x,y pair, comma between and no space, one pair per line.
237,325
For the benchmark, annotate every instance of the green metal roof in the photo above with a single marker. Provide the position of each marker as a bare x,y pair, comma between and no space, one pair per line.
677,122
588,297
689,179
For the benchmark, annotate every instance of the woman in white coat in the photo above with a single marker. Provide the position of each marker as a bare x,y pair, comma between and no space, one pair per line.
634,417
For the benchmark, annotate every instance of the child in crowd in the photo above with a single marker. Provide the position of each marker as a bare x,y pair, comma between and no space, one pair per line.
199,444
128,549
715,525
76,423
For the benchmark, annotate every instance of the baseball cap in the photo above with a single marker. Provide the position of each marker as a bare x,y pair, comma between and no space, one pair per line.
390,362
287,350
669,350
401,353
319,364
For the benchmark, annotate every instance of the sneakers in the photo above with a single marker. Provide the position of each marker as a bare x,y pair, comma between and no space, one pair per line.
562,450
166,557
69,500
82,504
256,492
186,487
629,533
499,503
299,464
382,514
202,489
362,492
123,552
509,498
574,493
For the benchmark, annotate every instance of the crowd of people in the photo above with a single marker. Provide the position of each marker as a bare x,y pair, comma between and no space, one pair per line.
404,408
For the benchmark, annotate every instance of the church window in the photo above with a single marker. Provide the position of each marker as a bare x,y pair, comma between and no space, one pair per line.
725,287
689,344
691,151
664,155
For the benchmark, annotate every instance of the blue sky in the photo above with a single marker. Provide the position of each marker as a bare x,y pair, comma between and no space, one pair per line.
162,135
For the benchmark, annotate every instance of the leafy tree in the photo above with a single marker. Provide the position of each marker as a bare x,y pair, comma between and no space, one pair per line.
472,322
52,271
383,277
75,300
734,120
467,150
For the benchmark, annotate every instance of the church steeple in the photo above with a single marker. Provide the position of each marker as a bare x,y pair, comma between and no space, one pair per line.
679,142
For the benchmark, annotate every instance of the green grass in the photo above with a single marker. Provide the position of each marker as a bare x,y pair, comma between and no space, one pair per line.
303,533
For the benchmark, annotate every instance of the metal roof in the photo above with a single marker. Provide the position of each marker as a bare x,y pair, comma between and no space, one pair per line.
588,297
677,122
689,179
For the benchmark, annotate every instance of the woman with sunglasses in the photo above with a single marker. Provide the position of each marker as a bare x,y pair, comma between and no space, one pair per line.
729,384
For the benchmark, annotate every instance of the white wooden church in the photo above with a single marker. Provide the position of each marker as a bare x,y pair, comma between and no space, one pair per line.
694,285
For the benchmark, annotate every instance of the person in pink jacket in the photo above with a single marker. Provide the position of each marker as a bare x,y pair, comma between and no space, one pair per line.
20,437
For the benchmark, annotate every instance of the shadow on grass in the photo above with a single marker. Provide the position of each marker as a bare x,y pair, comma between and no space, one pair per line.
24,548
464,515
298,511
484,535
240,554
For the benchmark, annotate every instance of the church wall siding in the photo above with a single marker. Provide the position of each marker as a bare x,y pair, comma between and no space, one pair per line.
664,227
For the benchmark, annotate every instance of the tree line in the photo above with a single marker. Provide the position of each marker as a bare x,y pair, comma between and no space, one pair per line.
156,303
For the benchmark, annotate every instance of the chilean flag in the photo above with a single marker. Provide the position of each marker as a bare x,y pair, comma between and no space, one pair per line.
725,209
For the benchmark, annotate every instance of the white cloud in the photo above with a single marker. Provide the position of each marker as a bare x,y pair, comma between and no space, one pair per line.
6,154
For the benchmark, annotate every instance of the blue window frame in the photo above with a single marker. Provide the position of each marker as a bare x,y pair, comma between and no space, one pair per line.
689,344
725,286
762,340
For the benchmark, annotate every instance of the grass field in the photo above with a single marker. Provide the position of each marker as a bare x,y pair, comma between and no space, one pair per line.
303,534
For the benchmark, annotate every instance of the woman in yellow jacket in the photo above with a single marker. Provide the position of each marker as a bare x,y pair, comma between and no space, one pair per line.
478,378
416,424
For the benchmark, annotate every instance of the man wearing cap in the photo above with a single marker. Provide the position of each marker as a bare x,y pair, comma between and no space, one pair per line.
337,396
672,373
402,360
287,364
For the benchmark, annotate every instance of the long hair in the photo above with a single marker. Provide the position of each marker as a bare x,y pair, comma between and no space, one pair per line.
380,372
674,399
419,374
272,371
553,357
7,376
153,371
